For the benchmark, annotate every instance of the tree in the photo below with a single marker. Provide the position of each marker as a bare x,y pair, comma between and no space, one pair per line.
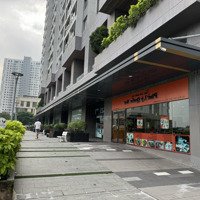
97,37
5,115
25,117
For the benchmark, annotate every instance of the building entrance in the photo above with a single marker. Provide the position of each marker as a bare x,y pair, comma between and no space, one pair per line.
118,127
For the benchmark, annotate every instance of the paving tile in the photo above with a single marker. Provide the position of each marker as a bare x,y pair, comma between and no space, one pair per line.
134,168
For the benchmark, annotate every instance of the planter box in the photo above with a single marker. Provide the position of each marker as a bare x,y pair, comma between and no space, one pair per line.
6,188
57,133
78,137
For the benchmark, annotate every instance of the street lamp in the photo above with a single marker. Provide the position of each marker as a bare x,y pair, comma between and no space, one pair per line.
16,75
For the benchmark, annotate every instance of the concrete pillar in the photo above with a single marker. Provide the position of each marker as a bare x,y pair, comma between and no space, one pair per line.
66,79
57,115
107,120
58,86
48,96
194,109
51,93
76,70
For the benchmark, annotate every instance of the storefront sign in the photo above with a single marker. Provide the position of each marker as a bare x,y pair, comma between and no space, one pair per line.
171,91
183,144
139,123
164,122
129,138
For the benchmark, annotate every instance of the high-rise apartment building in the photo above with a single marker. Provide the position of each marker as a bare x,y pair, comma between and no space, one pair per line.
143,86
28,84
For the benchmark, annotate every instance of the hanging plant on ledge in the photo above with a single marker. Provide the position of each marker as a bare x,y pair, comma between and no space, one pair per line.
97,37
99,42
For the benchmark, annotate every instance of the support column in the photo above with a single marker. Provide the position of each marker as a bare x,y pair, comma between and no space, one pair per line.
194,108
107,120
76,70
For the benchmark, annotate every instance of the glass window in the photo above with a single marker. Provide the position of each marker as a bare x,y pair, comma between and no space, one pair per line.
76,114
22,103
170,117
34,104
179,113
28,104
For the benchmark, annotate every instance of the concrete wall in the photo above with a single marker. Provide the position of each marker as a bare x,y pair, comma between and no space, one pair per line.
107,120
194,103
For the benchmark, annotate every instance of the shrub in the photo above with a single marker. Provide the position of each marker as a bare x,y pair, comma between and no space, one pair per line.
123,22
48,127
15,126
60,127
76,126
153,2
143,6
10,139
97,37
118,27
134,15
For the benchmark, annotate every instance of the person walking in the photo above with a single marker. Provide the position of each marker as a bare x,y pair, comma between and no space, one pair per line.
37,126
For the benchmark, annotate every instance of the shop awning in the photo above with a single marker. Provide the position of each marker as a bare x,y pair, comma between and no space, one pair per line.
159,61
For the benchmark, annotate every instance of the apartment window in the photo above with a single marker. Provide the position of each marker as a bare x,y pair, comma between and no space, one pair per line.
28,104
22,103
34,104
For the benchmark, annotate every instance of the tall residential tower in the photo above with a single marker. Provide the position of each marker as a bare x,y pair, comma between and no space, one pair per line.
28,84
143,86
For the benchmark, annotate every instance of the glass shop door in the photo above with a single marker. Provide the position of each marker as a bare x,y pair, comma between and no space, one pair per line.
118,127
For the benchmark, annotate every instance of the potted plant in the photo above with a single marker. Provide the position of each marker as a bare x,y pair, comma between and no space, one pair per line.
10,138
48,128
58,129
76,131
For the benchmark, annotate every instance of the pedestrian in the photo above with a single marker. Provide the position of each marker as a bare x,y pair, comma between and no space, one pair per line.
37,126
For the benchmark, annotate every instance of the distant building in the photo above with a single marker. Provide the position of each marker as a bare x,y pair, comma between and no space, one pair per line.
27,104
28,84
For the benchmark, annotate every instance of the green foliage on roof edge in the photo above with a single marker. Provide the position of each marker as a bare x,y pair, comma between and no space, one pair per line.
101,38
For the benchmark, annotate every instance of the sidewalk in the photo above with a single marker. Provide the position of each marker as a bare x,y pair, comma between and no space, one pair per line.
48,169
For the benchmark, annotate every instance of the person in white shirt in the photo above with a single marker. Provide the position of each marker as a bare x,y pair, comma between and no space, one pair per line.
37,128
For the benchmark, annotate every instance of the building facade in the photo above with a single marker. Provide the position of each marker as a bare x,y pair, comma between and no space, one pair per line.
142,89
28,84
27,104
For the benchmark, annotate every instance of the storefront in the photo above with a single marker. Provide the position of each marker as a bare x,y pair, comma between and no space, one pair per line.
157,117
99,117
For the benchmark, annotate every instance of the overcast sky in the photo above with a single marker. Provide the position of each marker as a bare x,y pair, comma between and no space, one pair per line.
21,29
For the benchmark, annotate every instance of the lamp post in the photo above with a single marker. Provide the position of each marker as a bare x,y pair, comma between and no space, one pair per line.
16,75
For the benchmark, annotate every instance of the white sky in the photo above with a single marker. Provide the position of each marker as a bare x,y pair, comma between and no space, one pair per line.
21,29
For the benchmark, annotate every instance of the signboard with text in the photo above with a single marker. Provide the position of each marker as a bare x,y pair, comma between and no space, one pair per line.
166,92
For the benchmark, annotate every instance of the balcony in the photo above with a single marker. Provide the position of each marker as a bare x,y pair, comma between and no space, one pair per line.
41,92
51,80
108,6
166,15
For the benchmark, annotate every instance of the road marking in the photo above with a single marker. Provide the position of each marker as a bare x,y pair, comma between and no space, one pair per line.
186,172
128,179
126,151
110,149
162,174
85,148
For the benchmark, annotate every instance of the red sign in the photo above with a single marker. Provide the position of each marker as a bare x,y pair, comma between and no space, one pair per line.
171,91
